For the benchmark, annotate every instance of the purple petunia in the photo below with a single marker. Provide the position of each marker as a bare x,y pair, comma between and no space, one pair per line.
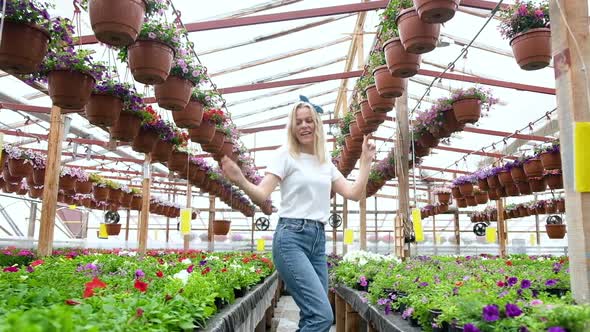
470,328
556,329
512,281
363,281
523,329
490,313
139,274
423,284
512,310
551,282
525,283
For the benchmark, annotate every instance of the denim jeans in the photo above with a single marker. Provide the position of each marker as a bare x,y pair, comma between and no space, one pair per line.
299,253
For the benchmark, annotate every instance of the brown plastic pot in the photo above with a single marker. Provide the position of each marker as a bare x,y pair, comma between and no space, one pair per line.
505,178
161,151
126,128
228,149
418,37
23,47
83,187
537,184
203,134
470,200
388,86
443,198
136,202
70,89
399,62
67,182
493,195
428,140
436,11
493,181
512,190
532,48
461,202
103,110
35,192
150,61
524,188
113,229
554,181
555,231
190,117
19,168
145,140
39,176
467,110
533,168
115,195
517,174
370,116
482,197
178,161
551,160
216,143
466,189
355,131
450,123
483,184
116,22
174,94
126,200
456,192
362,124
378,104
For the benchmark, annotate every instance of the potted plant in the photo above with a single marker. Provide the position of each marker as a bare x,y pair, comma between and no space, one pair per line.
175,93
550,156
468,103
399,62
517,170
492,178
25,36
106,102
481,175
117,22
417,36
436,11
192,115
481,197
465,184
524,188
372,117
205,132
179,157
388,86
115,191
149,133
526,25
20,162
504,175
553,179
150,56
82,184
137,200
555,227
100,190
533,167
130,119
68,177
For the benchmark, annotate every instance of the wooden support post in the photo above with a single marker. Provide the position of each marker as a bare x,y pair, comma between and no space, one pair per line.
501,232
189,200
363,225
344,223
571,50
340,314
51,183
210,235
457,231
127,225
352,320
32,220
402,145
144,216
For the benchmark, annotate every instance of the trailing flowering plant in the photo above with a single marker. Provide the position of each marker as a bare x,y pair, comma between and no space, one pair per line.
74,172
523,16
30,12
126,189
483,94
344,123
39,161
207,98
179,138
185,67
376,59
15,153
388,25
200,163
362,83
550,148
464,180
215,116
441,190
552,172
156,30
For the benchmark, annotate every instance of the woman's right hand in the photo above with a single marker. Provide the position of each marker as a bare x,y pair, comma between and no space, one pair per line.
231,170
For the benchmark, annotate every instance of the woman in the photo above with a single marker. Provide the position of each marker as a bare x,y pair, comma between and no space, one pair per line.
306,176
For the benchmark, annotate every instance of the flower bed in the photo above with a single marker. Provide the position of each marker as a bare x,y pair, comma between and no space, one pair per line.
114,290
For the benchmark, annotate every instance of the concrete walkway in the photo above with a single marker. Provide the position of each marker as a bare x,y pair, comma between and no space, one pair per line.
287,313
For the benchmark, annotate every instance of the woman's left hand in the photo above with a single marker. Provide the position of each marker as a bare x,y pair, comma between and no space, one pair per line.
368,151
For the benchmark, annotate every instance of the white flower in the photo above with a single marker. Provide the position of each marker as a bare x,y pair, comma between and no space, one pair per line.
183,276
186,261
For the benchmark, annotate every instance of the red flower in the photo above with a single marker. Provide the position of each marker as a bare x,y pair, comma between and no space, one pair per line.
37,262
500,283
96,283
509,263
459,283
190,269
139,312
245,260
258,271
88,292
160,274
160,261
206,270
224,270
11,269
140,285
71,302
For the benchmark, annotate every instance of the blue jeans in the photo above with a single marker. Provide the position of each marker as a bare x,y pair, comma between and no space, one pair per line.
299,254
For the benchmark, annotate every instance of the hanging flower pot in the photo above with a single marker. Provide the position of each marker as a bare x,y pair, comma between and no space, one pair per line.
115,195
228,150
100,193
505,178
420,150
436,11
221,227
378,103
550,208
450,123
537,184
174,94
23,47
39,176
178,161
146,140
493,181
518,174
126,128
126,199
161,152
524,188
443,198
9,178
428,140
355,131
10,188
113,229
370,116
362,124
190,117
352,145
136,202
554,181
216,144
399,62
150,61
550,160
388,86
512,190
116,22
493,195
470,200
533,168
467,110
481,197
555,231
560,205
103,109
483,184
70,89
20,168
35,192
501,192
417,36
83,187
456,192
461,202
203,134
67,182
532,48
466,189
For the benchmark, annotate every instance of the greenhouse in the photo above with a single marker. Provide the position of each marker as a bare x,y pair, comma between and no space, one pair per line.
294,165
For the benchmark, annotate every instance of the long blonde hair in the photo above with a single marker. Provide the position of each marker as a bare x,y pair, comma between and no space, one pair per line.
319,139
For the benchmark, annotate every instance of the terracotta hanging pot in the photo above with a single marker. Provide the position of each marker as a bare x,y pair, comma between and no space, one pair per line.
388,86
83,187
116,22
197,176
136,202
537,184
21,190
178,161
39,176
190,117
505,178
11,187
517,174
482,197
436,11
493,181
150,61
70,89
67,182
161,152
35,192
501,192
493,195
378,103
113,229
467,110
483,184
115,195
532,48
560,205
9,178
221,227
461,202
126,200
203,134
443,198
228,149
355,131
512,190
417,36
550,208
450,123
554,181
216,143
100,193
126,128
420,150
466,189
470,200
533,168
174,94
103,109
555,231
524,188
428,140
351,145
23,47
145,141
362,124
550,160
399,62
370,116
19,168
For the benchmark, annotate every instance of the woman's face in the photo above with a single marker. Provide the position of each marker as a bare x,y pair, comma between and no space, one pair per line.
304,126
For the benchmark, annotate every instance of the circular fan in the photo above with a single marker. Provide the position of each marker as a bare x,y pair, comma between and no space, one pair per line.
410,238
262,223
554,220
480,229
335,220
111,217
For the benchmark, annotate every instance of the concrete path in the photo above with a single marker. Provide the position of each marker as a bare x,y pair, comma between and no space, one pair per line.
287,313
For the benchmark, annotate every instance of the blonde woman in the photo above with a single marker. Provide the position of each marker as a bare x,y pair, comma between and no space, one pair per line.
307,176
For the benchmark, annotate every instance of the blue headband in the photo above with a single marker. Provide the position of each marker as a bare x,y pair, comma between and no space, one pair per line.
317,108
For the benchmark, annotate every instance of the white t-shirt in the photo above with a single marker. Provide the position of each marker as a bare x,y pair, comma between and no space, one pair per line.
305,185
